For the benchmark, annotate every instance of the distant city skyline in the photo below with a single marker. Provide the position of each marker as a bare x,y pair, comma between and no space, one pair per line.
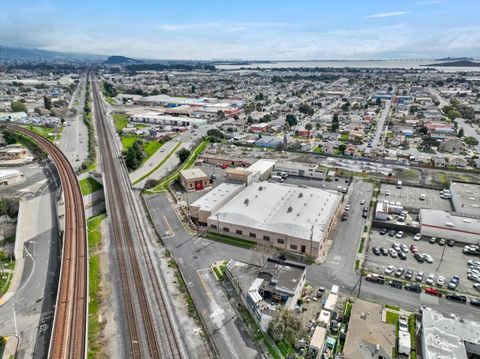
252,30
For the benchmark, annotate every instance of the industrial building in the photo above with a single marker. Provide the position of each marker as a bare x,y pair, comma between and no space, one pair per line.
9,177
299,169
262,169
466,198
449,336
194,179
167,120
294,218
441,224
263,289
202,208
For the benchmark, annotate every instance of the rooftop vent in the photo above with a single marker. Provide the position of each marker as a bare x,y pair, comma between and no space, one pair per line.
300,195
289,209
246,201
260,188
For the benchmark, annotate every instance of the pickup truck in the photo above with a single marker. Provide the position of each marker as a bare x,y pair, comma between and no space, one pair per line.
375,278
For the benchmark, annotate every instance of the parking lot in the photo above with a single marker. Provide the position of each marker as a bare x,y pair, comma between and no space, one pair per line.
409,197
447,261
317,182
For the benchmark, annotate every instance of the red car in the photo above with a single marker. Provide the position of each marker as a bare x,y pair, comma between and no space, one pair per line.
413,248
224,165
433,291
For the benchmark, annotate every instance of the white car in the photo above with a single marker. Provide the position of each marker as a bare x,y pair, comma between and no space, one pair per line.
393,252
362,202
472,262
430,279
347,207
427,257
404,247
477,286
387,193
400,234
403,323
440,281
390,269
417,237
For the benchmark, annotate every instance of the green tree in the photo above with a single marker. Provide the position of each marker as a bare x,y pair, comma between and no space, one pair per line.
317,126
220,115
335,123
460,132
291,120
286,326
346,106
306,109
47,102
309,127
18,106
423,130
183,155
378,102
471,141
412,109
342,148
250,120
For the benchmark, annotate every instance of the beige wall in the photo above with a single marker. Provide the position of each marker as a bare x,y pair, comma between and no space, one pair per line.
189,185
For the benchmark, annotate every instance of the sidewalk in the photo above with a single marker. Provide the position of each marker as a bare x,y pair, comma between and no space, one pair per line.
10,347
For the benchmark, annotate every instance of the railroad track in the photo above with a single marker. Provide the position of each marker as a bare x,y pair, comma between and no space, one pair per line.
131,243
68,338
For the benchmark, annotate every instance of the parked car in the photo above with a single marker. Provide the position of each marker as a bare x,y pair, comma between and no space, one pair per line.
383,231
419,277
427,257
433,291
384,251
387,193
375,278
403,323
376,251
404,247
344,216
440,281
417,237
473,277
402,255
409,274
419,257
399,272
413,248
393,253
442,242
396,246
472,262
400,234
476,286
475,302
347,207
396,284
454,282
391,233
433,240
362,202
413,287
390,269
430,279
450,243
457,297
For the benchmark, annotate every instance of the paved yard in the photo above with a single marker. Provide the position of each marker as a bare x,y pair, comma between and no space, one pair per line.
410,197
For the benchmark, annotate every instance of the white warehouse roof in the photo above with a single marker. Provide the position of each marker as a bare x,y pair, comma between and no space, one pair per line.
300,212
437,223
217,195
261,166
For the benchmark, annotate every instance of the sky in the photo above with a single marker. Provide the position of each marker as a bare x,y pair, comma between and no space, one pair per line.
246,29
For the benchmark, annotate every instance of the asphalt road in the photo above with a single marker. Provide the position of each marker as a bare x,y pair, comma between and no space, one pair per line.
29,312
380,125
74,140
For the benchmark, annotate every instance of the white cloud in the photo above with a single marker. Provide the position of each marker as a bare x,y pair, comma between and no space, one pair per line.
387,14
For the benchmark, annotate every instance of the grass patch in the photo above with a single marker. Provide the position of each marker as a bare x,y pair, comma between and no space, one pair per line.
159,165
5,282
242,243
189,162
89,185
391,318
94,326
362,242
94,234
150,147
47,132
393,307
318,149
110,100
89,163
120,120
128,141
357,263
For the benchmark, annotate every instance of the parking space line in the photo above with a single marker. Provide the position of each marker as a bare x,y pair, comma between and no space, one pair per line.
169,228
207,289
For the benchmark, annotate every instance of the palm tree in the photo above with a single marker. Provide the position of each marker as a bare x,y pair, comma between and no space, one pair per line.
309,127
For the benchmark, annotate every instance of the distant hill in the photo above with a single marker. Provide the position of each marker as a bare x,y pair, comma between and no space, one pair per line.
449,58
461,63
31,54
121,60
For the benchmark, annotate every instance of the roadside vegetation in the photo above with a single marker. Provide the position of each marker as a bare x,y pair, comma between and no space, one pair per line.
120,120
94,326
89,185
109,92
89,163
12,137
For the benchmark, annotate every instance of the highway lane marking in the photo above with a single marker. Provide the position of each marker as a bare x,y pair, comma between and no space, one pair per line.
169,228
207,289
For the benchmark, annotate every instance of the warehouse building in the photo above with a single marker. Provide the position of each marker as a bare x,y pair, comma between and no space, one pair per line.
9,177
167,120
194,179
299,169
294,218
449,337
262,169
466,198
202,208
441,224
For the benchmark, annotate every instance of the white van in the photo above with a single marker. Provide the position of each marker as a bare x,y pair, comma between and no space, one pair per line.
423,196
399,184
